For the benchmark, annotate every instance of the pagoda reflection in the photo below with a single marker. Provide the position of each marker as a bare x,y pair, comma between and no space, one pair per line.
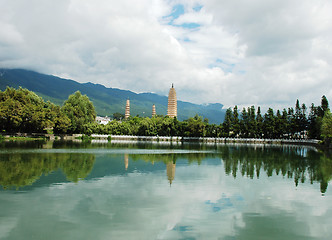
126,160
170,171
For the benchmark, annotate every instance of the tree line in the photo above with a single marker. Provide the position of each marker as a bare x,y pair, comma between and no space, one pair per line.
288,123
24,111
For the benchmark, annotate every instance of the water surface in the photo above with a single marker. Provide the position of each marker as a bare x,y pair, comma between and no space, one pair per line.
66,190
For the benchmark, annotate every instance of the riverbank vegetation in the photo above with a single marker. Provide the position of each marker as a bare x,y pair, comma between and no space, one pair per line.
24,111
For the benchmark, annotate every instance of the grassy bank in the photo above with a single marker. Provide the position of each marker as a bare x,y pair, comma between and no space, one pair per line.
12,138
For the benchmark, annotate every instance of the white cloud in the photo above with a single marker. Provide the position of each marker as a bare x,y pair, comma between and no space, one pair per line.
258,52
284,40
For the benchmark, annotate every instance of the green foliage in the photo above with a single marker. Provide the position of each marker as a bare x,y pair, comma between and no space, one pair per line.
327,125
80,110
323,107
286,124
23,111
118,116
195,127
227,124
315,118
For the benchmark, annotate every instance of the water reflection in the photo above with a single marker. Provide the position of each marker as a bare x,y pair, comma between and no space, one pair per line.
126,160
170,170
291,162
18,169
218,192
297,162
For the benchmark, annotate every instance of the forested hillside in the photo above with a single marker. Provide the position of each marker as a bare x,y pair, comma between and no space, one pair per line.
106,100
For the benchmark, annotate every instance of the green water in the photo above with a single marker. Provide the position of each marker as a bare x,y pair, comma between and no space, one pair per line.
66,190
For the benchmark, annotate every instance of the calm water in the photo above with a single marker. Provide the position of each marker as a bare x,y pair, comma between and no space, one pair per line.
55,190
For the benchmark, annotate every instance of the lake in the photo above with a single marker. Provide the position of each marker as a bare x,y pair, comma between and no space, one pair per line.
72,190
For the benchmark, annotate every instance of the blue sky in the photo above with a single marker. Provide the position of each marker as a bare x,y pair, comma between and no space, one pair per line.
262,52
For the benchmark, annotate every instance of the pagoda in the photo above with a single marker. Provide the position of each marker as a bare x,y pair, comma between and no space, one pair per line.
153,110
172,103
127,112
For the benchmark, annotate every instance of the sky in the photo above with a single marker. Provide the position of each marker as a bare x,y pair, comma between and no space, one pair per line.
261,52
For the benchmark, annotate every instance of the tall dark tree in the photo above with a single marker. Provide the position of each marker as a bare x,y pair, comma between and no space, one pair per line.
315,118
303,119
244,123
297,117
291,122
235,122
285,123
259,123
252,122
323,107
227,124
313,123
269,124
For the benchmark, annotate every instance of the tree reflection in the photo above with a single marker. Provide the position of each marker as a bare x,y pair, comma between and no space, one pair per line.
170,160
18,169
292,162
196,157
297,162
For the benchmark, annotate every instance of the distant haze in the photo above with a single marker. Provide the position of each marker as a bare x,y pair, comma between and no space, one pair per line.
258,52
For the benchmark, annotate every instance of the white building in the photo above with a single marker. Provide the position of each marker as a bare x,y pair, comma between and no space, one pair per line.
103,120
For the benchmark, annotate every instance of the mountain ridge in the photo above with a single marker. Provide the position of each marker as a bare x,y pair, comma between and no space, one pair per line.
106,100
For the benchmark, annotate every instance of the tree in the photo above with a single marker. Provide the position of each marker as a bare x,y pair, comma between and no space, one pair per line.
314,123
244,123
227,124
259,123
291,122
269,124
22,110
195,127
303,118
327,126
235,122
252,128
80,110
118,116
147,127
284,123
323,107
315,118
297,117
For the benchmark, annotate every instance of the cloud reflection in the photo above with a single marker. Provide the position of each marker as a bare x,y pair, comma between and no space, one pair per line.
204,202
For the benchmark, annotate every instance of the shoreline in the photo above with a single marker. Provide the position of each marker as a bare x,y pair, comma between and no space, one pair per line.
210,140
161,139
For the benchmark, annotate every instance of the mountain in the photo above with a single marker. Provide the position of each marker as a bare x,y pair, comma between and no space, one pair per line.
106,100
